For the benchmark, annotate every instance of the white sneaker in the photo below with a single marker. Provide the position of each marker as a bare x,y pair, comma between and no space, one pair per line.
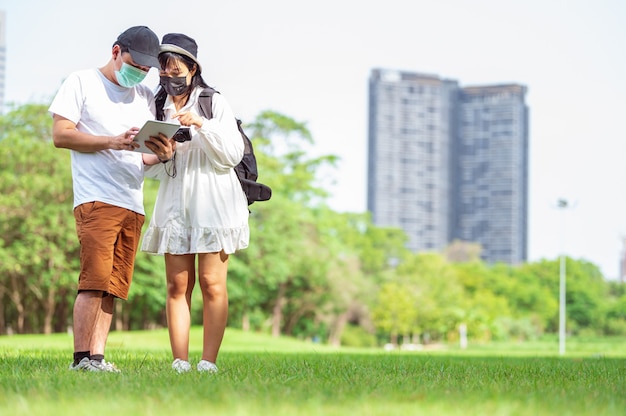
207,366
105,366
84,365
181,366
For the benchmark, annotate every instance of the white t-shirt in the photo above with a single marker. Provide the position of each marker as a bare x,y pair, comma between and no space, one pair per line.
203,209
103,108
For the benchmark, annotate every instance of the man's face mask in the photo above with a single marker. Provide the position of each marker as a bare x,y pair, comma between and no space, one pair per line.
174,86
128,76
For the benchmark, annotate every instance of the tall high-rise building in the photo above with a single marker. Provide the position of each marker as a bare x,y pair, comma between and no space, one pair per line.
3,58
492,171
411,130
447,162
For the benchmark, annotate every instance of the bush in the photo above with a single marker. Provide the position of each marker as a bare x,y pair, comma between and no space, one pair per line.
507,329
356,336
615,326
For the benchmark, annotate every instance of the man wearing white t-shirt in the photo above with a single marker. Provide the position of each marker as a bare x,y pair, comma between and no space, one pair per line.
96,115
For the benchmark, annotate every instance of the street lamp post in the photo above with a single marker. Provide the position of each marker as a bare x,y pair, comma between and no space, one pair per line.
562,204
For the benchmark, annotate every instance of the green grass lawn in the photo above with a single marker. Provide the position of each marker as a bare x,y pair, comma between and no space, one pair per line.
261,375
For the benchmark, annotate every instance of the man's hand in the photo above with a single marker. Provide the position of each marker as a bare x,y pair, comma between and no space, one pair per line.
125,140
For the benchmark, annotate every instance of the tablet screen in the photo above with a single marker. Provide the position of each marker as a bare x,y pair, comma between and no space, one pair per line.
153,128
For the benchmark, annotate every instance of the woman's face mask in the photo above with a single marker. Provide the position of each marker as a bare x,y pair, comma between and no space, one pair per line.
174,86
128,76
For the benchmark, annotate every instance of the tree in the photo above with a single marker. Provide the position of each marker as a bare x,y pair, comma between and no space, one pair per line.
616,309
483,308
436,292
38,248
362,256
426,288
283,231
462,251
395,312
586,293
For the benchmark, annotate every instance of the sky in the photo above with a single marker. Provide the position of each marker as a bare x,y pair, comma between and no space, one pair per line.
311,61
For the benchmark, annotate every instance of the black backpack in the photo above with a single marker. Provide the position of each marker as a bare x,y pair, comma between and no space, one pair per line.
246,170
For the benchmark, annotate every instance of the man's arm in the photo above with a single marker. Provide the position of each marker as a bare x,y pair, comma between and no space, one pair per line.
65,135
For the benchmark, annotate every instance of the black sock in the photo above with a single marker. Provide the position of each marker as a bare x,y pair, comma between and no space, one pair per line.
97,357
78,356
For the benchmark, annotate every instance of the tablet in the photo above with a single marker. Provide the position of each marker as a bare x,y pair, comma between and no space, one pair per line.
153,128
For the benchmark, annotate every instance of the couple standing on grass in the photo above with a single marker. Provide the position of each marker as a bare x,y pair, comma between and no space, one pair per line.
201,211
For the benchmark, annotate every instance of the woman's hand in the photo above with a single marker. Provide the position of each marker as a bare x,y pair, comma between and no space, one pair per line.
162,147
187,118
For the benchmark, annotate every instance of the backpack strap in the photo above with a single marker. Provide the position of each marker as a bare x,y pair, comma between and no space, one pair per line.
205,100
159,102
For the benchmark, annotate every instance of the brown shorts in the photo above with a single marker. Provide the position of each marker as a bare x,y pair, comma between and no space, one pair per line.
109,237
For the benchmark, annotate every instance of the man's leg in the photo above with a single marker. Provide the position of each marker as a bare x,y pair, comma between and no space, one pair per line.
106,267
86,308
102,325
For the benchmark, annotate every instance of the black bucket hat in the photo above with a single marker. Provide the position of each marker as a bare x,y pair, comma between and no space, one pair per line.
182,45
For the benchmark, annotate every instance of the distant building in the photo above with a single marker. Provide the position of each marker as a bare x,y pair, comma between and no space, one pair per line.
447,162
3,58
411,131
491,177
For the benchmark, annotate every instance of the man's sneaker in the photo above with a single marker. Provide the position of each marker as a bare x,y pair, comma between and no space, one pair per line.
207,366
105,366
181,366
84,365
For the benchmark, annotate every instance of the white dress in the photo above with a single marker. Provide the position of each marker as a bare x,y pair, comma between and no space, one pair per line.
203,208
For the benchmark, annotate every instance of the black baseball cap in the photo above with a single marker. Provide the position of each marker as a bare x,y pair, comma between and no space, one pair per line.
143,45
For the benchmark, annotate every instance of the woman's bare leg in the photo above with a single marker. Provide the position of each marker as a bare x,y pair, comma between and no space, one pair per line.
212,271
181,277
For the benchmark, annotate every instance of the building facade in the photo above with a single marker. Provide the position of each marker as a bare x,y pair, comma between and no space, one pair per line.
449,163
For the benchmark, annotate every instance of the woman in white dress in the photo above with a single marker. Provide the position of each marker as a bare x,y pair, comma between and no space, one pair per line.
201,211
